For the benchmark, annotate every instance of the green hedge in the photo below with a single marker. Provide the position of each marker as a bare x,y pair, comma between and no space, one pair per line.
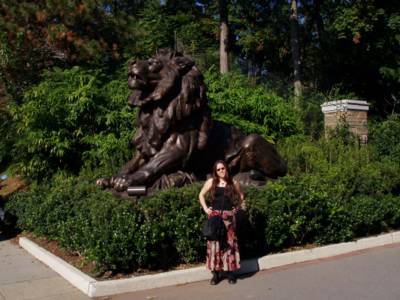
163,231
115,233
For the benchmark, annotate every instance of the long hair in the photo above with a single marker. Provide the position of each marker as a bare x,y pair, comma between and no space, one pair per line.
230,191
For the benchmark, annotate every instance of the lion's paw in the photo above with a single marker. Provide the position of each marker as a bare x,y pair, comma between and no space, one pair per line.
103,182
120,184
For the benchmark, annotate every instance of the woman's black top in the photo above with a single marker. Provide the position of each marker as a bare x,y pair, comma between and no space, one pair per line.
221,202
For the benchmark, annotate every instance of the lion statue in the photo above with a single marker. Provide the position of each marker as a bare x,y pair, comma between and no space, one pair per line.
176,140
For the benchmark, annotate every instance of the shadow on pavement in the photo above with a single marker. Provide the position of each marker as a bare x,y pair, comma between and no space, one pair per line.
8,230
8,234
247,275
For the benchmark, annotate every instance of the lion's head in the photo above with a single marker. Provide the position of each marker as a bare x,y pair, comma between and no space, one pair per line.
152,79
170,92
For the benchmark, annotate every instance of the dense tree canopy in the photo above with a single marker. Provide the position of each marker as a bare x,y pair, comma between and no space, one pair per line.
353,44
37,35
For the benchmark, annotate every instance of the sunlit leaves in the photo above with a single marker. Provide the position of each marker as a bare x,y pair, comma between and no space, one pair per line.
69,120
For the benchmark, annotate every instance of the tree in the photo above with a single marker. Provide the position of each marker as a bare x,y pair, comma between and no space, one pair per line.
37,35
363,56
295,45
224,36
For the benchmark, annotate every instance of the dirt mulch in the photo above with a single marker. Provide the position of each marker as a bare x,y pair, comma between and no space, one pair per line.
10,186
74,259
87,267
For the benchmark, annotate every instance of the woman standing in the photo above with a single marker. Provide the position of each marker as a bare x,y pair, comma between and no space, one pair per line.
226,198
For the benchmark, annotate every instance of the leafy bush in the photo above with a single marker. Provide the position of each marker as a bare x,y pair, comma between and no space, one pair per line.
164,230
73,117
252,109
293,212
385,137
7,133
82,219
160,232
341,169
311,115
175,217
296,211
356,182
372,215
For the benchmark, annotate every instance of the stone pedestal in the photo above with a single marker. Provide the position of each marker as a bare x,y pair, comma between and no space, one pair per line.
352,113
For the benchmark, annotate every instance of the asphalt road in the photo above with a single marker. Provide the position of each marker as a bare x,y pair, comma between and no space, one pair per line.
372,274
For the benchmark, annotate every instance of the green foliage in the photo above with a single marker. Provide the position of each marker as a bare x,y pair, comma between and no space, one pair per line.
82,219
252,109
288,212
356,19
312,118
36,35
176,25
154,30
373,214
18,64
175,217
336,192
7,133
344,170
296,211
385,137
195,36
359,185
160,232
72,118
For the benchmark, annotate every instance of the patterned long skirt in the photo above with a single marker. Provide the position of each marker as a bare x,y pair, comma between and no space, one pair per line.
223,256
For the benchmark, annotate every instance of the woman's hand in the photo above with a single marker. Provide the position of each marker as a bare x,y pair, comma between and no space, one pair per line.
208,210
202,196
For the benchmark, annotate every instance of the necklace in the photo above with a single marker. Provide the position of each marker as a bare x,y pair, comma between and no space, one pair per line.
222,183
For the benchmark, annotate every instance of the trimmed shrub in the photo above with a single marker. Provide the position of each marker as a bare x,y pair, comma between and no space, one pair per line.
157,233
175,217
82,219
164,230
293,213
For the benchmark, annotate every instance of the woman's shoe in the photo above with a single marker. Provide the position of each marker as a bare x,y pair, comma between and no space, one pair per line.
215,279
231,278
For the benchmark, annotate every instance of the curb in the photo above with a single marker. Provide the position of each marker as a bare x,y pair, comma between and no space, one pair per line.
74,276
94,288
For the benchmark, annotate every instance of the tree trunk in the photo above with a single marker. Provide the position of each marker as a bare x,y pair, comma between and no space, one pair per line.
223,42
320,24
294,39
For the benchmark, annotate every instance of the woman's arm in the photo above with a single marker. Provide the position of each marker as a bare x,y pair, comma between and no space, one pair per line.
202,196
238,189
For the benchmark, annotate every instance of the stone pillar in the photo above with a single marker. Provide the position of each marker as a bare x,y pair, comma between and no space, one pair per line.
353,113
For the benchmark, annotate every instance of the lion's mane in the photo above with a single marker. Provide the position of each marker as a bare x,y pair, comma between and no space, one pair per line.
172,101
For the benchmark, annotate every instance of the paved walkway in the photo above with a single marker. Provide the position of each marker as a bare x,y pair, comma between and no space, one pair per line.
24,278
367,275
372,274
